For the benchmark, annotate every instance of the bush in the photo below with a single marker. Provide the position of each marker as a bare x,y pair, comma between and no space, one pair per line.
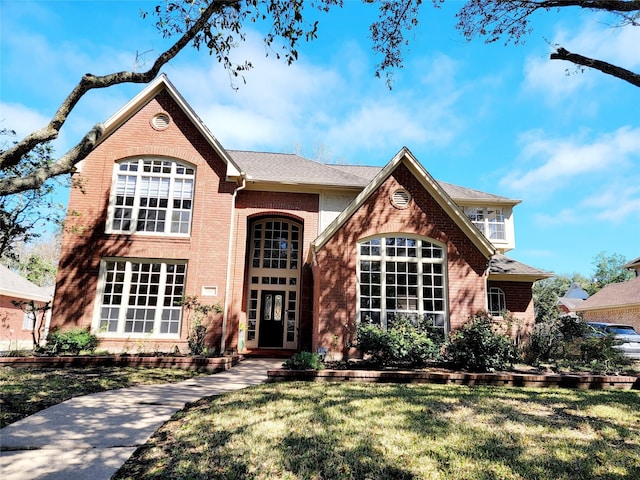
477,347
304,361
545,343
402,343
70,342
570,343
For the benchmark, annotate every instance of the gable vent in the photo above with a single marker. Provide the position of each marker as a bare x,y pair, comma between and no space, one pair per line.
160,121
401,198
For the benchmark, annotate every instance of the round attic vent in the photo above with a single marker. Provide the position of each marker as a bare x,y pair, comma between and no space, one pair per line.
401,198
160,121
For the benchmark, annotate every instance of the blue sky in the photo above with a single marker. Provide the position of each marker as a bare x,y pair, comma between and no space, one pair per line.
502,119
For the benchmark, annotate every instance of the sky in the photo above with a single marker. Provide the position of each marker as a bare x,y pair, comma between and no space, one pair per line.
501,119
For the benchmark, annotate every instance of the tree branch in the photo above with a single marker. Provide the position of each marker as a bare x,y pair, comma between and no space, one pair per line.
604,67
65,164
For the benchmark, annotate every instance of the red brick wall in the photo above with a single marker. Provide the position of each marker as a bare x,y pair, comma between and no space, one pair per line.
12,336
250,204
335,288
519,302
626,315
85,243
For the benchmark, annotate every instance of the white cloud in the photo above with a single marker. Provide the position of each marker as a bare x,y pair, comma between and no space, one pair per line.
334,104
547,164
617,203
21,119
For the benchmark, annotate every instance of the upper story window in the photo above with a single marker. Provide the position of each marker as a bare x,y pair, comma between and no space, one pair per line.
402,276
152,195
496,301
489,220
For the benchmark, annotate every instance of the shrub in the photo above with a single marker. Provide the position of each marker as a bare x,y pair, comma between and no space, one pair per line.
304,361
479,348
71,342
544,344
402,343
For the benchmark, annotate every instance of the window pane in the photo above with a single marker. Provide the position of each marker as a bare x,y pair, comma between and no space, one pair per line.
147,308
153,195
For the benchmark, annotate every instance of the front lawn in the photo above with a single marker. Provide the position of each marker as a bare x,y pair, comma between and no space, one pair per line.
375,431
25,391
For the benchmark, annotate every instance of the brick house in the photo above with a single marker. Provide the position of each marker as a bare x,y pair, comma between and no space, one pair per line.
294,251
615,303
16,321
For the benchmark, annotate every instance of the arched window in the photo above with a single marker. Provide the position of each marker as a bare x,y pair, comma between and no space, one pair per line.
153,196
401,275
496,301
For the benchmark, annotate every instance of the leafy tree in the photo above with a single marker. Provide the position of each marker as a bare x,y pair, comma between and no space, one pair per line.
25,215
214,25
609,269
510,20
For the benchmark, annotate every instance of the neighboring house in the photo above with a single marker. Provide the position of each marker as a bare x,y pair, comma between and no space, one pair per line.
615,303
570,302
633,265
295,252
16,324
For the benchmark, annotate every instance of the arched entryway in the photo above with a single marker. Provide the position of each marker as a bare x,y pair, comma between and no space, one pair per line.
273,305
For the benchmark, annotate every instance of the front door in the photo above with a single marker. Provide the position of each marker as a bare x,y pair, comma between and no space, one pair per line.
272,314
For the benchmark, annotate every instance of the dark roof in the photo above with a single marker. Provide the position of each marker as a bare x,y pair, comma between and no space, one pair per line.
614,295
502,265
632,264
294,169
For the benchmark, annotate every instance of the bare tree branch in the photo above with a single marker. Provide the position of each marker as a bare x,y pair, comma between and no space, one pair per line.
66,163
604,67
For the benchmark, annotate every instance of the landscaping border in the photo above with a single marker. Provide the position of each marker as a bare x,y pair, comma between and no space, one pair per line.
591,382
204,364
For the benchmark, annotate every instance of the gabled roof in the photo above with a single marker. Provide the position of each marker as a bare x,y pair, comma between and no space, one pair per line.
13,285
508,269
576,292
405,157
614,295
145,96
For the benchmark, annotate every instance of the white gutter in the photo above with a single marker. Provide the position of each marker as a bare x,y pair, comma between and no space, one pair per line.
227,290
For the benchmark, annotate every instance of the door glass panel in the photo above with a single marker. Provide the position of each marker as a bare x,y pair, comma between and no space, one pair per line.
277,310
267,307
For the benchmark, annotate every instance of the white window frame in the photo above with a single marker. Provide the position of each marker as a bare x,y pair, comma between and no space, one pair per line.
130,174
113,304
501,300
491,221
441,315
28,320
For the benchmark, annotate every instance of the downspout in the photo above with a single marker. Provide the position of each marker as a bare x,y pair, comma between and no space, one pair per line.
227,290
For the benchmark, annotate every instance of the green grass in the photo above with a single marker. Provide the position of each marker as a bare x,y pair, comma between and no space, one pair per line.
377,431
25,391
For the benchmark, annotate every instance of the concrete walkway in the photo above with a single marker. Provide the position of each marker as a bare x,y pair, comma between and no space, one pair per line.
90,437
